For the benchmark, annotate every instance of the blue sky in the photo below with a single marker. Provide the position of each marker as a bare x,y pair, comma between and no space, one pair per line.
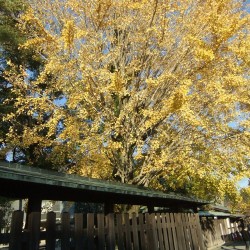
243,182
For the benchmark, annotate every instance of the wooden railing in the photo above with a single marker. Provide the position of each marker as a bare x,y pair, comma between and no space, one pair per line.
174,231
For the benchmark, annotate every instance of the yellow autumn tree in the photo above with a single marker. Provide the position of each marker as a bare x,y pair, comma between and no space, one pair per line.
154,93
244,204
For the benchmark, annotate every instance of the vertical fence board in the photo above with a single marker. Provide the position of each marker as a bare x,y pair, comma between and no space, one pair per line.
90,231
186,229
149,235
51,231
127,231
193,231
135,231
180,231
199,232
142,230
159,225
152,238
165,232
65,236
170,234
111,232
34,230
100,231
120,232
16,230
173,227
78,231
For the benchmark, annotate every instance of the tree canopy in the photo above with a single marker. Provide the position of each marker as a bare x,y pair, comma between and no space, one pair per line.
153,93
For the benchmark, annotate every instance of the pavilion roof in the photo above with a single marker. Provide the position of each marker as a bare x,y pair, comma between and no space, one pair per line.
19,181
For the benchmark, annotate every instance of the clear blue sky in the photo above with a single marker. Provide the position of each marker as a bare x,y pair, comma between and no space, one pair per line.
243,182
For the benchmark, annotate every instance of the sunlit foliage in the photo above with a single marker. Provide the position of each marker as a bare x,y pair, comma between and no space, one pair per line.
152,92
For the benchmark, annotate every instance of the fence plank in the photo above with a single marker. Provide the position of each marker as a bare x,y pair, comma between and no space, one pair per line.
51,231
34,230
111,231
193,224
65,236
173,228
79,231
148,235
179,231
151,235
186,229
159,225
165,232
170,233
135,231
142,229
127,231
90,231
100,231
193,231
198,231
120,232
16,230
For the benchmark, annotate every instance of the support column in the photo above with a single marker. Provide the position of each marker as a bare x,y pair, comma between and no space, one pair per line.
34,205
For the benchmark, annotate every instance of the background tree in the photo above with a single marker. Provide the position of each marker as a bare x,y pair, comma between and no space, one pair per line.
10,39
153,93
244,205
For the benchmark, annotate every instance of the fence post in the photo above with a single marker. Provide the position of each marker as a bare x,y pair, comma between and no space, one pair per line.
16,230
34,230
51,231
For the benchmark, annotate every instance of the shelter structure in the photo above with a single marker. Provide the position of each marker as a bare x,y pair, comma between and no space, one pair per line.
220,212
19,181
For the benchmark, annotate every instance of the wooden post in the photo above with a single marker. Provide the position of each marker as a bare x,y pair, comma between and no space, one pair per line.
16,230
51,231
34,205
34,230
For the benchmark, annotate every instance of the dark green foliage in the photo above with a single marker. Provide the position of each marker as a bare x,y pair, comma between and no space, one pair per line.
10,40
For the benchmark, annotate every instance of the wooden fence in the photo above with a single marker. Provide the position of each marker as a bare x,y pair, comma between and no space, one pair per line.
173,231
216,232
